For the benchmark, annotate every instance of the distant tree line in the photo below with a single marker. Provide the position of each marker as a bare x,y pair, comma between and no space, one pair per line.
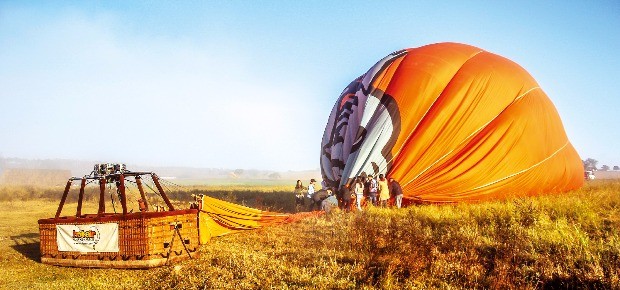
590,164
39,177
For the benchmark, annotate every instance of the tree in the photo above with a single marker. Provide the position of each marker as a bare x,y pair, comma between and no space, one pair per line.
590,164
616,167
604,168
275,175
238,172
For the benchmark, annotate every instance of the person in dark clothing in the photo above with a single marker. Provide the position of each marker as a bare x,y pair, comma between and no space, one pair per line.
345,194
318,197
299,195
373,187
366,182
397,192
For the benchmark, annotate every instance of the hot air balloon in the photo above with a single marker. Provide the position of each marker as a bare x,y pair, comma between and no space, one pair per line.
451,122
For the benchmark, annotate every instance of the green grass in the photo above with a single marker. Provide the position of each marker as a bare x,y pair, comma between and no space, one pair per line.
272,197
561,241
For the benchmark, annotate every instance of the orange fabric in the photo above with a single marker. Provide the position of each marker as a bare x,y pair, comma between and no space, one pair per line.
218,217
471,125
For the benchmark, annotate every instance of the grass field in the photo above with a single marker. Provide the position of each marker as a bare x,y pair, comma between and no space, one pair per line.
562,241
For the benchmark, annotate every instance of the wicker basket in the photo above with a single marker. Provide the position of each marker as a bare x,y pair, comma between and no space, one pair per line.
145,240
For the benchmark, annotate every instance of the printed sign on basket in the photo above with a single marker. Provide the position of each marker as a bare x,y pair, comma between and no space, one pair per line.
87,238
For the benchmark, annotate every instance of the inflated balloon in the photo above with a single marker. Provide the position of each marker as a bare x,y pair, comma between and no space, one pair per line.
450,122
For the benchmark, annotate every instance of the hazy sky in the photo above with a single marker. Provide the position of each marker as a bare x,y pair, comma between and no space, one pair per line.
250,84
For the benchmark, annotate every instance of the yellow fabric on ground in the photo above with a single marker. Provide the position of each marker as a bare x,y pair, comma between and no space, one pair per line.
218,217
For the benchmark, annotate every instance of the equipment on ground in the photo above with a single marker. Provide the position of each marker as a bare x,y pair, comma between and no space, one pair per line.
152,233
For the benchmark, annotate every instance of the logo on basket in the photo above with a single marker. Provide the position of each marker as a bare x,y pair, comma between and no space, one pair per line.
86,237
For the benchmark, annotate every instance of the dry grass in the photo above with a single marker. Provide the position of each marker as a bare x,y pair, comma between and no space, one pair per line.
564,241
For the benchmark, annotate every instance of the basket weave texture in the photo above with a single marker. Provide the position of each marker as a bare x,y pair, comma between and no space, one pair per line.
145,240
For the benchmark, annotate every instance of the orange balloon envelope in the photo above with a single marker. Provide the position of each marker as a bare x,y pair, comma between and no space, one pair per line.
450,122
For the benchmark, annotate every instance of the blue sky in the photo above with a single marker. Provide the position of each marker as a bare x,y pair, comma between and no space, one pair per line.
250,84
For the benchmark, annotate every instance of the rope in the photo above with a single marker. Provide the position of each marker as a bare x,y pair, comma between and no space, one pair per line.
145,183
171,244
91,181
173,184
131,193
180,188
111,196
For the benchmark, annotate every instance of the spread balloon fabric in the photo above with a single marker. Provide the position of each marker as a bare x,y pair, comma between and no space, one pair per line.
217,218
451,122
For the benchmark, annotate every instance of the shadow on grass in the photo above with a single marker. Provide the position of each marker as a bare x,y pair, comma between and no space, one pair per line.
574,283
27,245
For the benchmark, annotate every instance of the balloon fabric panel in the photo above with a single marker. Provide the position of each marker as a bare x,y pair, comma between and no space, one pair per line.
451,123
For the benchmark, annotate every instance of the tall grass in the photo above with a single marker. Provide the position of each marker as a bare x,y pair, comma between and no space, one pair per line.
561,241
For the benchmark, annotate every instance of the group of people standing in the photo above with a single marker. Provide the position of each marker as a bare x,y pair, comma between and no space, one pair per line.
313,198
361,191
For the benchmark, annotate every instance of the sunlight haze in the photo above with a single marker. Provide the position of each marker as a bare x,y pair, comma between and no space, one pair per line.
250,84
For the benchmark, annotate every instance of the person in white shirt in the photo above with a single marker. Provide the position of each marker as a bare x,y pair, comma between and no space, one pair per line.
359,192
310,193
